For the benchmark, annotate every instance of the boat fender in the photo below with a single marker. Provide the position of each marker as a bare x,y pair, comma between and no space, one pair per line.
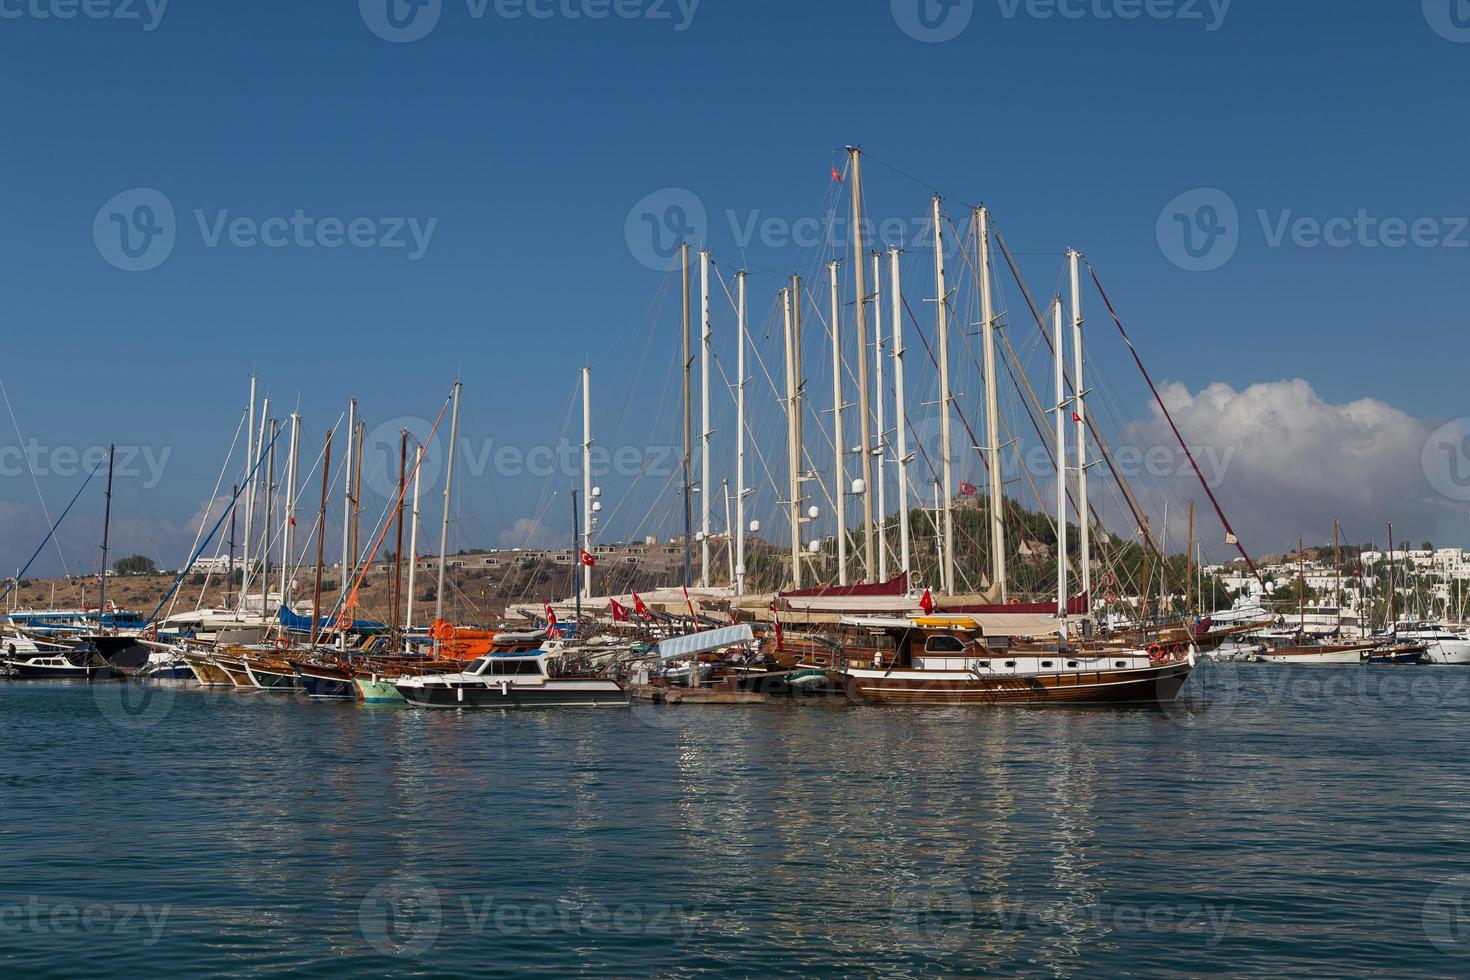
505,689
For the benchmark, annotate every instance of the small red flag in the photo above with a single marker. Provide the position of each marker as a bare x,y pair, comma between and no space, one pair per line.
968,489
780,634
293,520
585,558
836,176
1076,417
551,627
927,602
639,607
619,611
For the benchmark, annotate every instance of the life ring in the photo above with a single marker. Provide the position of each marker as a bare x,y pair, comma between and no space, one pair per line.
283,643
1157,654
1013,601
444,631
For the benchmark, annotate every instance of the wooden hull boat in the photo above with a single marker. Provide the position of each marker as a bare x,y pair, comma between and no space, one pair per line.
232,665
325,682
1325,654
206,671
1113,678
271,674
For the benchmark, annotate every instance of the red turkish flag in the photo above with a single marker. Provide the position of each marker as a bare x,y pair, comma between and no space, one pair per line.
927,603
968,489
619,611
639,607
780,634
836,176
1076,417
585,558
551,627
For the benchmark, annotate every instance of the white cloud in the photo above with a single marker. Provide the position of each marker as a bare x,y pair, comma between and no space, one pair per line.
1293,462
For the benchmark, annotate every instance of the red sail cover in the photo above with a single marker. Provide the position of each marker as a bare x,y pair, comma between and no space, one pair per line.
893,587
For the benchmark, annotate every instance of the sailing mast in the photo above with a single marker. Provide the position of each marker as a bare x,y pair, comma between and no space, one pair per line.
321,543
288,523
250,484
106,532
839,489
1389,623
1337,571
444,525
1061,424
688,413
413,539
793,441
879,451
942,307
705,492
1301,587
255,490
900,410
398,544
1188,565
992,411
265,534
230,562
861,301
1079,418
586,480
348,559
740,435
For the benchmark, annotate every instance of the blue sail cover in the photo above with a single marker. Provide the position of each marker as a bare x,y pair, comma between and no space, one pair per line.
302,624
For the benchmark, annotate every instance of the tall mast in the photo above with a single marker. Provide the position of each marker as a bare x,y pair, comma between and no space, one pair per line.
230,563
1301,586
688,411
705,489
288,522
348,558
729,542
261,478
880,451
1079,418
1388,620
800,410
1337,572
413,536
861,301
1061,395
740,435
250,484
1188,563
992,412
586,479
398,544
106,533
900,411
793,442
444,525
321,542
265,540
839,448
947,463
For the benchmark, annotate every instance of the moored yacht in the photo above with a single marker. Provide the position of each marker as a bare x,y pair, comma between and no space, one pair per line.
512,680
1443,645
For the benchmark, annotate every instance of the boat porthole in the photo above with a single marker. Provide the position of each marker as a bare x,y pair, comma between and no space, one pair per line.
1010,663
1120,663
985,663
1046,663
1071,663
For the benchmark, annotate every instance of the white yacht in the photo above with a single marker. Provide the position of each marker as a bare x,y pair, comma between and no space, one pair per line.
512,680
1444,645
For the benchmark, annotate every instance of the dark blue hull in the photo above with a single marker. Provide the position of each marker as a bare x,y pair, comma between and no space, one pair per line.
326,688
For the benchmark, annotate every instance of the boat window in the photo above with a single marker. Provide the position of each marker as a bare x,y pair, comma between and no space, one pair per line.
1010,663
512,668
985,663
1046,663
944,644
1119,663
1071,663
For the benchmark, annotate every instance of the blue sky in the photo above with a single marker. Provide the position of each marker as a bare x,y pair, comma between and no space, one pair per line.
518,146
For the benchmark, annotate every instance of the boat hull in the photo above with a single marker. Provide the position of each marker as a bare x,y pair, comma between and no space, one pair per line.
377,690
325,683
1448,652
1315,656
269,675
567,694
1154,684
26,671
206,671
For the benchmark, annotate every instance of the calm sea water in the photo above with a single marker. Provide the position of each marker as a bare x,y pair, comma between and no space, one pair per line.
1290,821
